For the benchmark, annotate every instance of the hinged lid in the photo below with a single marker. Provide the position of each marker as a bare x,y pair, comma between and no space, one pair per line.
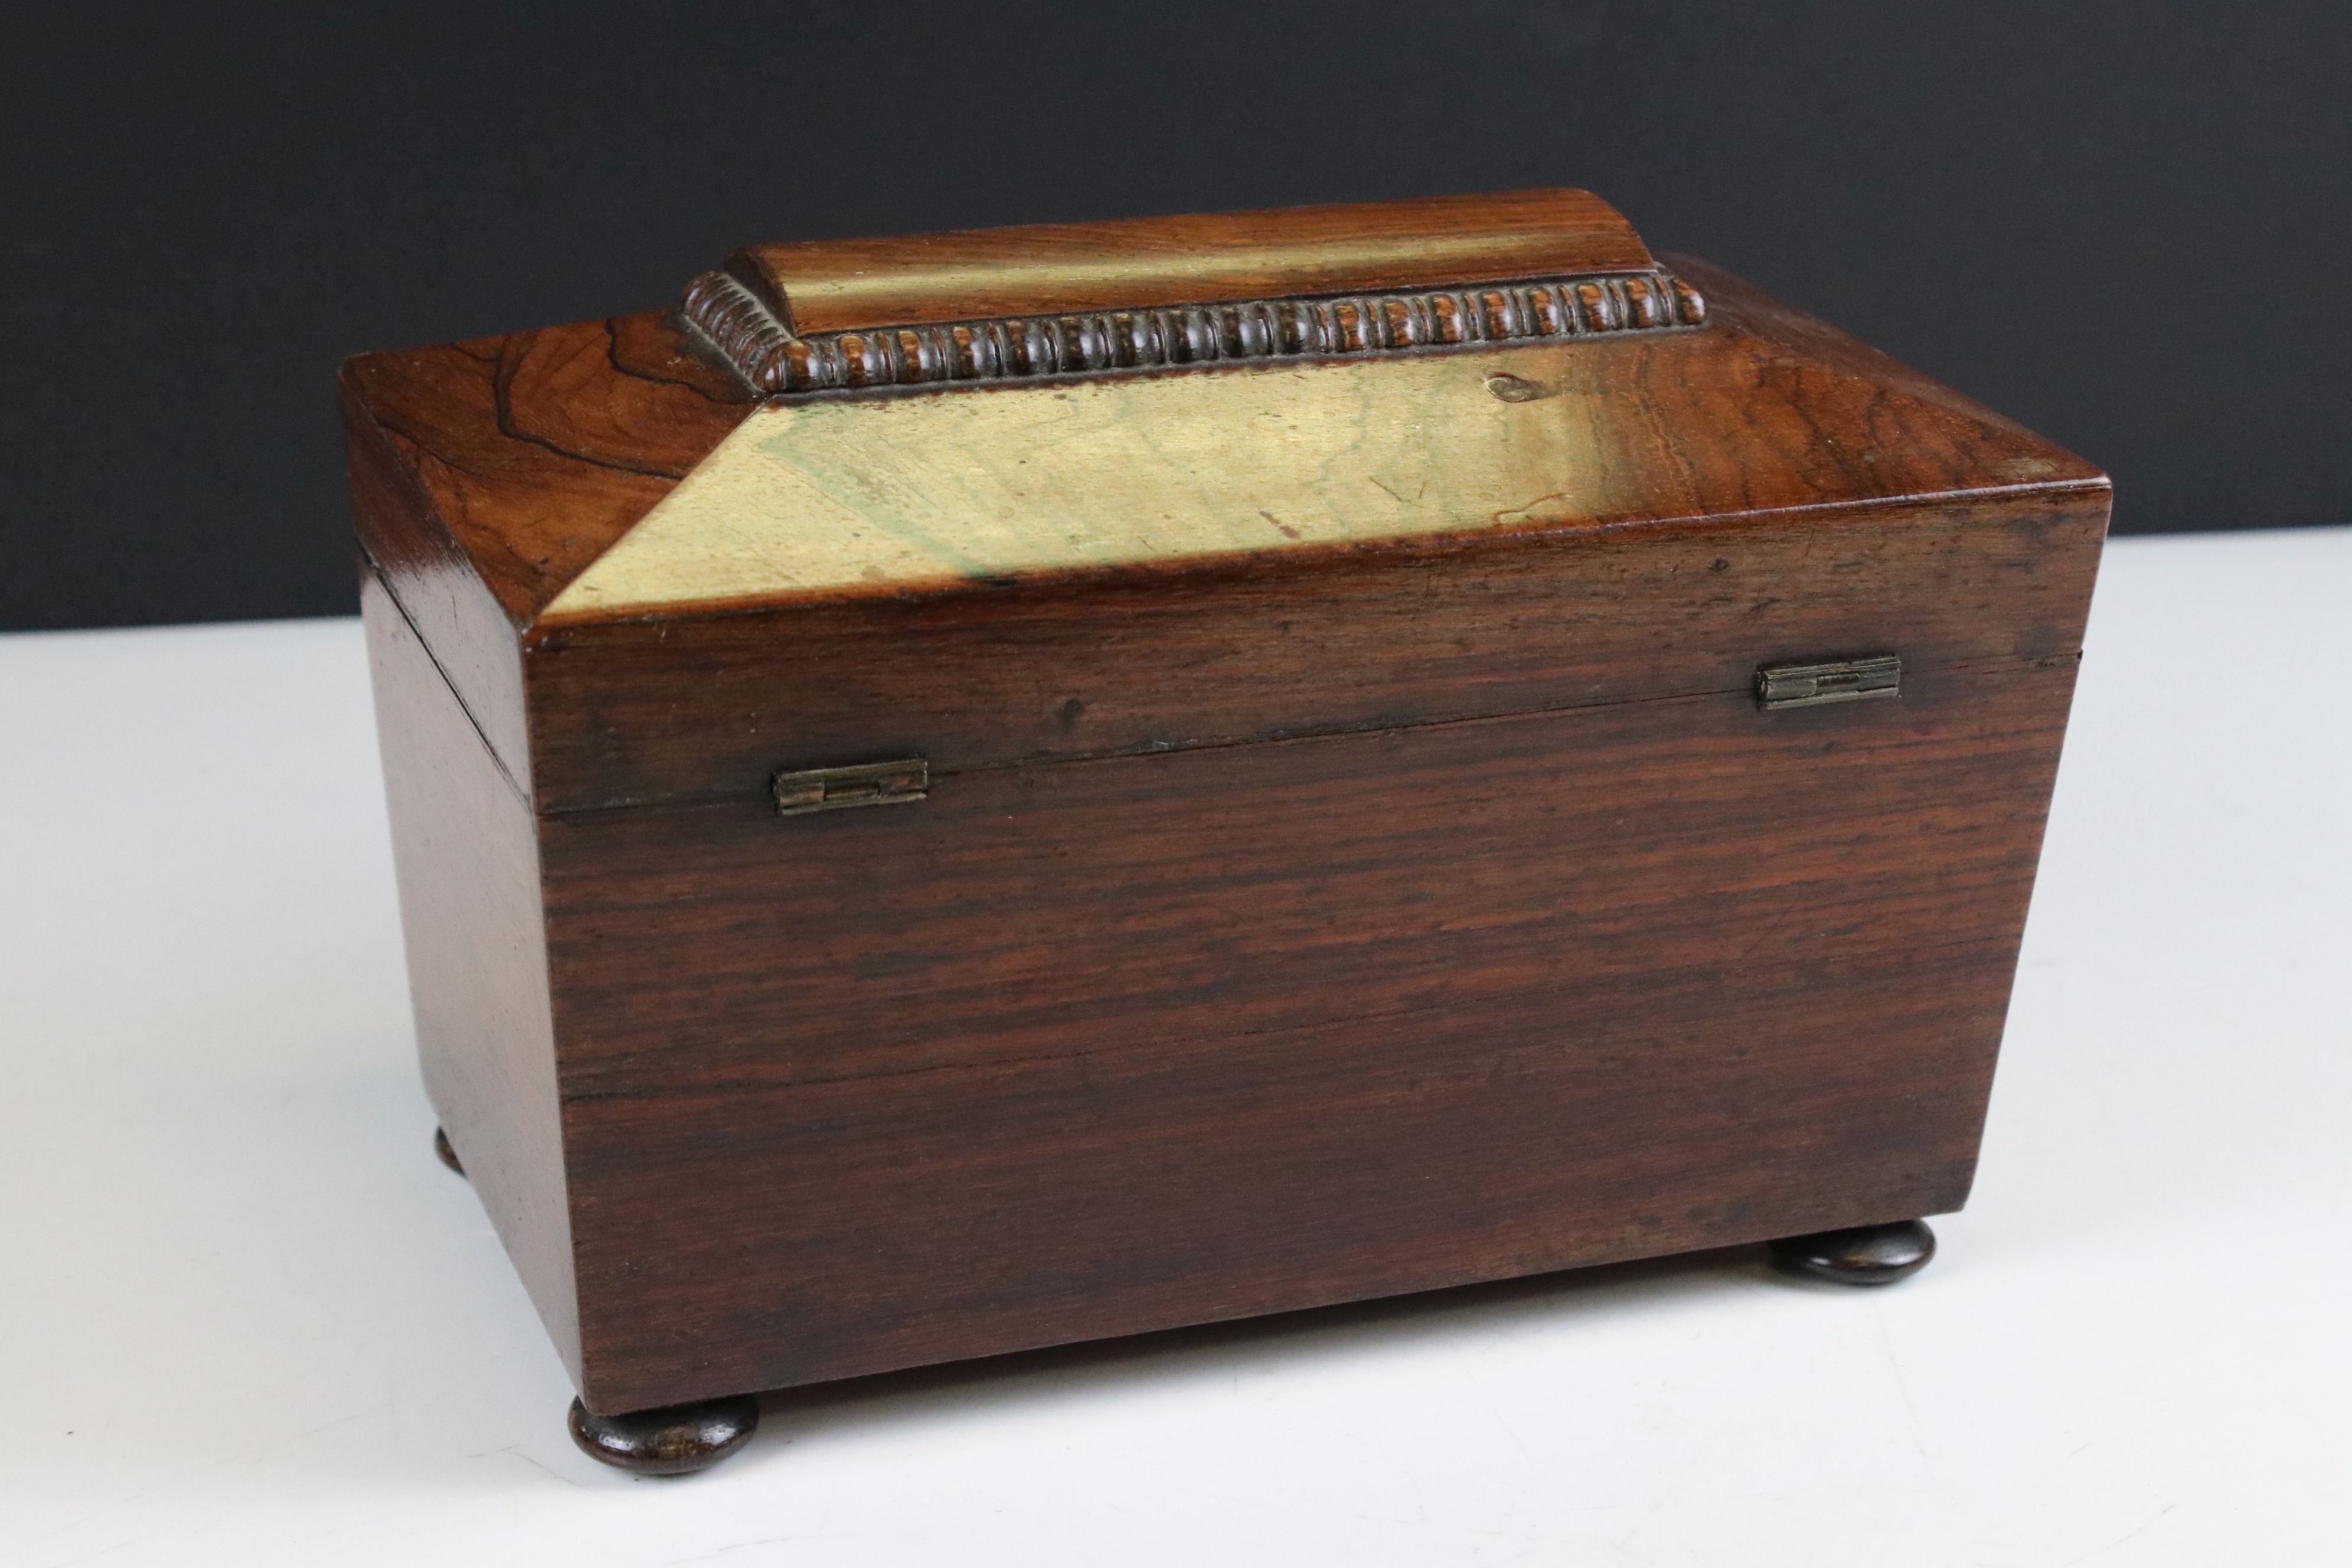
809,790
853,450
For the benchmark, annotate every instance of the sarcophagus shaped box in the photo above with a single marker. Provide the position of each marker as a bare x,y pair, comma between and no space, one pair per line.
970,792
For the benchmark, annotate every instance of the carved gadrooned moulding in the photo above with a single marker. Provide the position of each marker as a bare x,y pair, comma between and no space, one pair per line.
752,338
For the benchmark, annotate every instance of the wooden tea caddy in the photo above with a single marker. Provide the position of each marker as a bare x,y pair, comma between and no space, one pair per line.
970,792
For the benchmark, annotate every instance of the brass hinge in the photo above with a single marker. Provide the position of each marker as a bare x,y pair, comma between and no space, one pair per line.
865,784
1846,680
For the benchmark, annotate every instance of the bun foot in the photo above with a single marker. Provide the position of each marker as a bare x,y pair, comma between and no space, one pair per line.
1866,1255
448,1155
673,1440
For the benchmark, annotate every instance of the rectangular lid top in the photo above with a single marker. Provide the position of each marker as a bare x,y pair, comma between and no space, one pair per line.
1136,264
1145,294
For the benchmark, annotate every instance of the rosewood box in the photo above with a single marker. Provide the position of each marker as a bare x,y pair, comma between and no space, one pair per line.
970,792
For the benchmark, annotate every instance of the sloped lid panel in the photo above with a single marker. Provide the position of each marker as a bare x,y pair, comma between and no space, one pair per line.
831,497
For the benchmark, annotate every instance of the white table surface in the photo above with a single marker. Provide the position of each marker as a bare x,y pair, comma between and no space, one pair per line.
245,1318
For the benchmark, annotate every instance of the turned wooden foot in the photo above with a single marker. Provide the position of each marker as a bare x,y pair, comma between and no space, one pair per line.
1866,1255
674,1440
448,1155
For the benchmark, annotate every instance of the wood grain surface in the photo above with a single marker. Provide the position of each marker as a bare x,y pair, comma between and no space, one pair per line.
1240,888
466,852
825,1230
978,1211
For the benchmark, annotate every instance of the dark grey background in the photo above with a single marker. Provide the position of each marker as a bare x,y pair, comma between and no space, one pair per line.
2125,224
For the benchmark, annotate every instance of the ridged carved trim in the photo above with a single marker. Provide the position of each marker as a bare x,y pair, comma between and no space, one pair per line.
750,337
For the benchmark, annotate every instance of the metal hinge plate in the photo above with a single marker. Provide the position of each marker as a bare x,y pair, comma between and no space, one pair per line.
1845,680
865,784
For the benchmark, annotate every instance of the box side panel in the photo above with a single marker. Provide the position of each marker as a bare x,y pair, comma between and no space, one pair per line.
706,709
1025,912
828,1230
1099,1047
464,848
